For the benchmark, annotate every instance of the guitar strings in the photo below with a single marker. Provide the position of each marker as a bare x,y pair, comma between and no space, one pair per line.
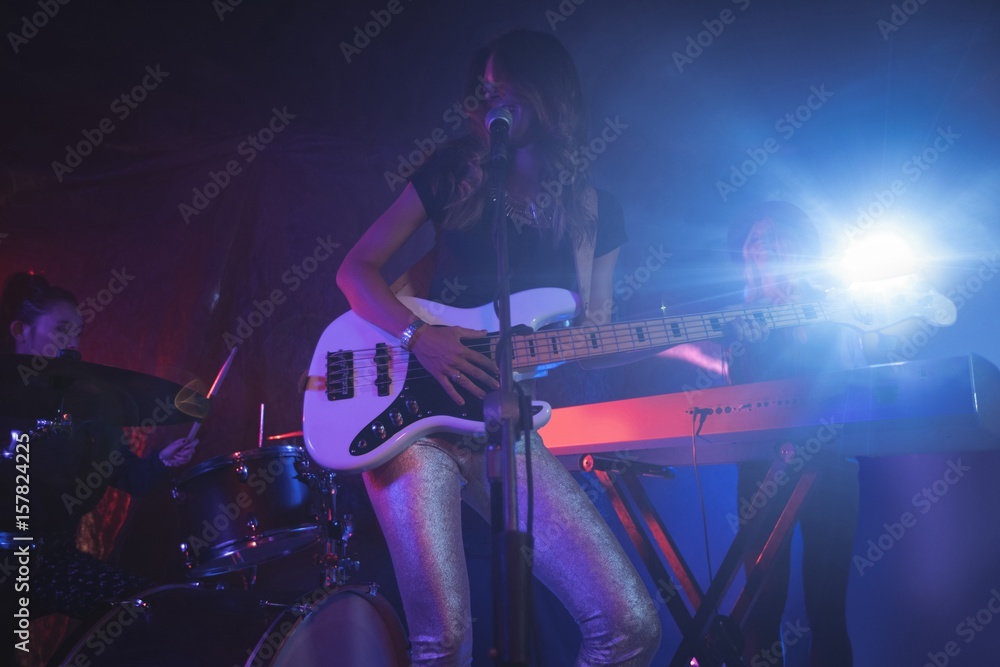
622,335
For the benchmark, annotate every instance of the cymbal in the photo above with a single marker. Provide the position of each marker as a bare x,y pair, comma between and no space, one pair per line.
34,387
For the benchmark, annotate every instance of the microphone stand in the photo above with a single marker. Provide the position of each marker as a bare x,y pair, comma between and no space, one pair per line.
512,548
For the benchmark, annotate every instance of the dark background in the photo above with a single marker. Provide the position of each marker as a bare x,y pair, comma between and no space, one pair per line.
324,176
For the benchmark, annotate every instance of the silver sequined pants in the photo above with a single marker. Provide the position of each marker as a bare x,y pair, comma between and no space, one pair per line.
417,497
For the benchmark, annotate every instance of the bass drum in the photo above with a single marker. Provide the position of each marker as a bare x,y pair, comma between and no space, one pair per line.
198,627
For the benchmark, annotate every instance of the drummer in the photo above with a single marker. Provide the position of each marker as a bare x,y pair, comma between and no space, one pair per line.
69,471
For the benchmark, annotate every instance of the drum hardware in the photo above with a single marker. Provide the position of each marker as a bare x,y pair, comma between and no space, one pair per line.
294,607
61,425
250,578
137,603
246,508
260,428
242,471
284,436
198,626
335,563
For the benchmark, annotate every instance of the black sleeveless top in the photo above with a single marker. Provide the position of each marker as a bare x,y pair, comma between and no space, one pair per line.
465,264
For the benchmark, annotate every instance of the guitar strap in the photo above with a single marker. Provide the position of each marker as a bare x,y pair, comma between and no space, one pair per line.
583,252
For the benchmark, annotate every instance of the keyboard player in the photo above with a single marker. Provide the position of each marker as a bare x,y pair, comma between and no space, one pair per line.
780,249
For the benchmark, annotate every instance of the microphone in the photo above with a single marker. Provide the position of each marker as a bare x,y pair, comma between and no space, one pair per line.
499,122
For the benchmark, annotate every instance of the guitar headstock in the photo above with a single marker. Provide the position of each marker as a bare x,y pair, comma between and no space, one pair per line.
877,305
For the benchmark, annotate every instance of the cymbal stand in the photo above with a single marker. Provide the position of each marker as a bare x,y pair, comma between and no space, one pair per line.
61,424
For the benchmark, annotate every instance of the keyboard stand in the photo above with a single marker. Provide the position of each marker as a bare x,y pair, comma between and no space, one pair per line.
709,637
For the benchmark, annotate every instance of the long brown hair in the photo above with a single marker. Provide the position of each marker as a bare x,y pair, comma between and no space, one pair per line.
541,69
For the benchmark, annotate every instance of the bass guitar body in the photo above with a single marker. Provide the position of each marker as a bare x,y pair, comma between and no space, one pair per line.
367,399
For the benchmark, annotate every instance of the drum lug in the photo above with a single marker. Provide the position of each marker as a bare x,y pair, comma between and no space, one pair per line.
303,472
347,529
140,604
177,494
373,589
186,552
302,466
252,524
242,471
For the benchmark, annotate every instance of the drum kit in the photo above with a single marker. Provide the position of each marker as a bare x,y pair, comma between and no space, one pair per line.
237,512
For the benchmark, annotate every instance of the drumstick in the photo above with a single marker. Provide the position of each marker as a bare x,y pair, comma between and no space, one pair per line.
260,432
215,387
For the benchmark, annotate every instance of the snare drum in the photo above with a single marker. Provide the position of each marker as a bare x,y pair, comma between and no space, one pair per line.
199,627
245,509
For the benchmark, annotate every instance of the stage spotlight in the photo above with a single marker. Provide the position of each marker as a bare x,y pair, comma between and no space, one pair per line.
878,256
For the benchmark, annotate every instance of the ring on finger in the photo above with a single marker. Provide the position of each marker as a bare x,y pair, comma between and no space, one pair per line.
456,377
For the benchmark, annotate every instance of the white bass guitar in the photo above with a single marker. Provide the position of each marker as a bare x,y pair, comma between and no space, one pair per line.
367,399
